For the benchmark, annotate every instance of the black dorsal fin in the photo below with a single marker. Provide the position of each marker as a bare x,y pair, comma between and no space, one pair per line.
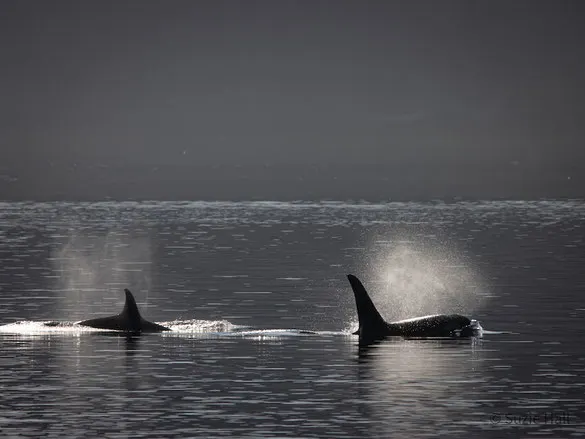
130,311
128,320
372,325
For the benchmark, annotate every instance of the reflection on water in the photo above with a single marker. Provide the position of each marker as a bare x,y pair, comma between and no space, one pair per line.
317,385
262,316
421,387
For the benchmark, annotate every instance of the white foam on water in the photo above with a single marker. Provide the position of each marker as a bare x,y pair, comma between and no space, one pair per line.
198,326
177,328
29,327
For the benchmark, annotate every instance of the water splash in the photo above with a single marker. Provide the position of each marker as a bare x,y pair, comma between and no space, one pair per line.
32,328
414,277
29,327
178,328
199,326
99,263
351,326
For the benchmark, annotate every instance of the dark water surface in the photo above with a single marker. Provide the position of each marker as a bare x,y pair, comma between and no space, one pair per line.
237,282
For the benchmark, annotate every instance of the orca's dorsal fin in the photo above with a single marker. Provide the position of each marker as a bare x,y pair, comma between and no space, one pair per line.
129,320
130,311
371,323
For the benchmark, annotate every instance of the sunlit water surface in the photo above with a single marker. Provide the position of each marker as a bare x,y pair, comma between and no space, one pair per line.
261,317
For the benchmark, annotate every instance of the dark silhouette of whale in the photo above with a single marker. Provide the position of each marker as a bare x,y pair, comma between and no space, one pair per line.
372,327
129,320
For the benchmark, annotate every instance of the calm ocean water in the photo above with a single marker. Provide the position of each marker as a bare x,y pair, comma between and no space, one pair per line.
238,282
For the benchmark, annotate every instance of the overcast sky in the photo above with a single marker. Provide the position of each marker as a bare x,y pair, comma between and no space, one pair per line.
228,82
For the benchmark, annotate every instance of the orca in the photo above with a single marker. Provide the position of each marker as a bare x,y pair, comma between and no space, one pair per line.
372,327
129,320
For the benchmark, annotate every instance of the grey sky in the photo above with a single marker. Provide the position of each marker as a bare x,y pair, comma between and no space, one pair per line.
237,82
